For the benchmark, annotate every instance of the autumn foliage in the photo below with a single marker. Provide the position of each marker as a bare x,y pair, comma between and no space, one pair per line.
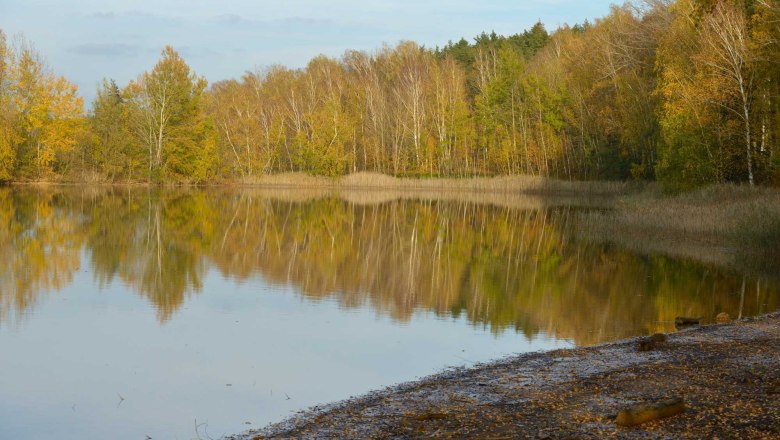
684,91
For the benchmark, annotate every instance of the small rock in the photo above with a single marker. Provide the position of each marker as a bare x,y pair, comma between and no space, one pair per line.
658,338
652,342
773,387
723,318
684,321
645,344
746,379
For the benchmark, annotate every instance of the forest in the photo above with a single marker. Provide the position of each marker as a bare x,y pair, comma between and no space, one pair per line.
684,92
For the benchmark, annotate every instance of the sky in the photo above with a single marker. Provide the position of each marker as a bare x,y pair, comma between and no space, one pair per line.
88,40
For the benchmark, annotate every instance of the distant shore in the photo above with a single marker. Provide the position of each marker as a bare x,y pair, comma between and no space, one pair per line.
728,377
366,180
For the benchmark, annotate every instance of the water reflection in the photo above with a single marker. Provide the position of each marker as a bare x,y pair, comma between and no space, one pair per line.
505,263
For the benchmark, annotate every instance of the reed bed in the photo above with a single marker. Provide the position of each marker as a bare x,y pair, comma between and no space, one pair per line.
503,184
725,224
377,196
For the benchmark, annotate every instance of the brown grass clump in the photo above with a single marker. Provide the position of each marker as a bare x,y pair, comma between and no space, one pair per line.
287,180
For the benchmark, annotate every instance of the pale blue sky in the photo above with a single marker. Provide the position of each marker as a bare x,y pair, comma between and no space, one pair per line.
86,40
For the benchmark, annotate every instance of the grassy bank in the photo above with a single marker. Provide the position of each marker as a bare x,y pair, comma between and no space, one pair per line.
365,180
503,184
723,224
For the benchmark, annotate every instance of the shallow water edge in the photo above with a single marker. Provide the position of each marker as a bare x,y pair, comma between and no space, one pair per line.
722,372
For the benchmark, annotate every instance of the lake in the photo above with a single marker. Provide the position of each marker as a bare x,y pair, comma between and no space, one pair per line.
180,314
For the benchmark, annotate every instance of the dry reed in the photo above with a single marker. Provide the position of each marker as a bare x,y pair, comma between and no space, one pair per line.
366,180
724,224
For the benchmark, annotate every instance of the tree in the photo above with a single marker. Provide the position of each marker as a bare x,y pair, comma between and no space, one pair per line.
370,103
50,115
766,44
729,59
450,117
169,118
410,75
695,130
327,131
114,153
8,116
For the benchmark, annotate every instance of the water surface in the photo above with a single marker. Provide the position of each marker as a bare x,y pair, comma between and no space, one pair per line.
196,313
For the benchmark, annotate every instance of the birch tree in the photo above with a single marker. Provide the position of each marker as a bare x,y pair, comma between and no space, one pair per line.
729,59
170,118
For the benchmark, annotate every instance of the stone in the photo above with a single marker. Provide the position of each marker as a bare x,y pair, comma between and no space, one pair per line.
684,321
773,387
636,415
723,318
645,344
658,338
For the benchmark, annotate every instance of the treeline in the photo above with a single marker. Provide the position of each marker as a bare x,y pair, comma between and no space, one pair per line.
682,91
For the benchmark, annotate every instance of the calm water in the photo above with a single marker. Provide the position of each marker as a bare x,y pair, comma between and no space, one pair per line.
179,314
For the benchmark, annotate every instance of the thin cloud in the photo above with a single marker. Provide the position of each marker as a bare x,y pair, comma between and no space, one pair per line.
235,19
309,21
197,51
105,49
102,15
132,14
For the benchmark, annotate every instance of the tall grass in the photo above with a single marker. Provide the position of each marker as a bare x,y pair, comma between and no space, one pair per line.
726,224
758,235
527,184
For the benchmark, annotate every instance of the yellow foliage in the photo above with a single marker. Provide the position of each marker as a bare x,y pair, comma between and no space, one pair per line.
40,115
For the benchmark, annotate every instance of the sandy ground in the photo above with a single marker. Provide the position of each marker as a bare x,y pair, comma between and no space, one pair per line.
728,376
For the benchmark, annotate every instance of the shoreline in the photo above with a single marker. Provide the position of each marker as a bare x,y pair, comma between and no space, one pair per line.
376,181
727,374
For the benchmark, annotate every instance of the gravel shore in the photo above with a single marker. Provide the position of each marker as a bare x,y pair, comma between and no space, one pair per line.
728,376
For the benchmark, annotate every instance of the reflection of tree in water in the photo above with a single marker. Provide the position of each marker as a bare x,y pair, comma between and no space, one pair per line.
39,247
153,243
502,267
